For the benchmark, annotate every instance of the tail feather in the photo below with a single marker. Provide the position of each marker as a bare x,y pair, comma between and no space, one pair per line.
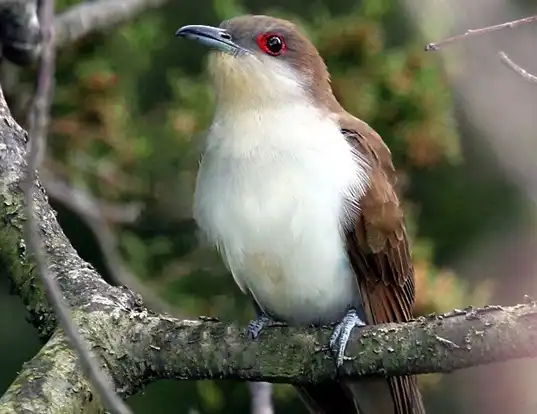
398,395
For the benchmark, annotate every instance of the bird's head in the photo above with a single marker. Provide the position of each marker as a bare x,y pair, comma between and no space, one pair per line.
262,60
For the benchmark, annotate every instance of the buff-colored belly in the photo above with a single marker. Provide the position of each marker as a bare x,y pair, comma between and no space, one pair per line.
297,294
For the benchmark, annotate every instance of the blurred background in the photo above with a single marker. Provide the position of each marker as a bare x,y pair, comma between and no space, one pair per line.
129,112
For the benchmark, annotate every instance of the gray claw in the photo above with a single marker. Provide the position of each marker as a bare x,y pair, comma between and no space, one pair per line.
257,325
341,335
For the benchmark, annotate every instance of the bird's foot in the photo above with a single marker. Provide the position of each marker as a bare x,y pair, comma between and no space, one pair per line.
342,333
261,322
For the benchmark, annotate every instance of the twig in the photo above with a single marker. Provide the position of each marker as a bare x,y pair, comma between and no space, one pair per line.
38,120
97,215
96,16
431,47
261,397
86,205
518,69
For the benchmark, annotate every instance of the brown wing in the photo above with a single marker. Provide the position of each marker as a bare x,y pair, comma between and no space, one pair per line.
379,252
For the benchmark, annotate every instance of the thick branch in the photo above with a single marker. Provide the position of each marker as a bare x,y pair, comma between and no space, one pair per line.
59,384
147,346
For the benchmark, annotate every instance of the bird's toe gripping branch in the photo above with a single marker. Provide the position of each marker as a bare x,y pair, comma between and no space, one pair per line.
261,322
342,333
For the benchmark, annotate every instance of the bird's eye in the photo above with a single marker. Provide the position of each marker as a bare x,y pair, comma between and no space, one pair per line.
272,44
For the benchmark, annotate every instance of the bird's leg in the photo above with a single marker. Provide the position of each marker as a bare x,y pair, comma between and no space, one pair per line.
342,333
259,323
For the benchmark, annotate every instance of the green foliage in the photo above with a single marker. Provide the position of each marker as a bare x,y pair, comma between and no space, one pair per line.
129,113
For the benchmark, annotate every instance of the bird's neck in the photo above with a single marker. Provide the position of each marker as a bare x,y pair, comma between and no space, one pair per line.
292,127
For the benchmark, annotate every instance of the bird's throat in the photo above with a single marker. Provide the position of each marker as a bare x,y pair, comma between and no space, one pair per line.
247,81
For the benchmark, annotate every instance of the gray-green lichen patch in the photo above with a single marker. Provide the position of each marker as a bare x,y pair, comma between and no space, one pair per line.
52,382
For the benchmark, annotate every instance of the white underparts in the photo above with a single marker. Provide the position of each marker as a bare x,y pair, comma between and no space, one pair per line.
273,195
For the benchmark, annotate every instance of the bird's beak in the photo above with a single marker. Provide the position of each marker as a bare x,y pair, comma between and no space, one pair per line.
213,37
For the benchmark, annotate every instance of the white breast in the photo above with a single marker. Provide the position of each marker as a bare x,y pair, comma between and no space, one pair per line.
270,195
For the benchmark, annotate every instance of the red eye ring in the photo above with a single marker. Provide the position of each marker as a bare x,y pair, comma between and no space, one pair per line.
272,44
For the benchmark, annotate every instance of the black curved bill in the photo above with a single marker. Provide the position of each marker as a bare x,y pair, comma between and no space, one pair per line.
213,37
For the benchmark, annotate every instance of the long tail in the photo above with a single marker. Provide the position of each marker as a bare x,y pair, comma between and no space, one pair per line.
398,395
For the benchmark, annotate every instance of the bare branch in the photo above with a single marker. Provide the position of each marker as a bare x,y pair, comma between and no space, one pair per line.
86,205
90,17
38,122
432,47
96,215
518,69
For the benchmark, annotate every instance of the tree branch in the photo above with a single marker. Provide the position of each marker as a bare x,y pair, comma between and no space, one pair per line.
85,205
517,68
96,16
432,47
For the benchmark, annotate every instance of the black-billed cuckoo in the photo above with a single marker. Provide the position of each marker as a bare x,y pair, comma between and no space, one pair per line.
298,196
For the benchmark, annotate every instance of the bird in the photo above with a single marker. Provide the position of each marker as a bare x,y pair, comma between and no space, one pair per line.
299,197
